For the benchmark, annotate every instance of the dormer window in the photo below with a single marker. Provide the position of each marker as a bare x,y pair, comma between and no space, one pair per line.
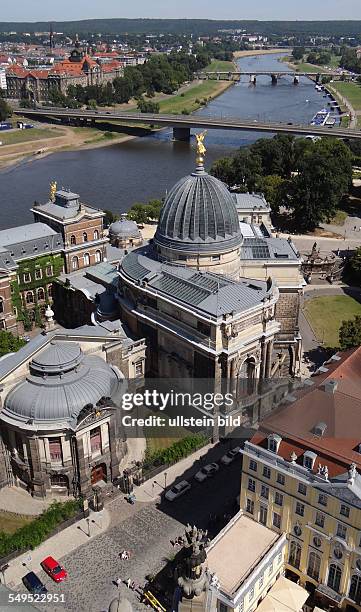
309,459
274,441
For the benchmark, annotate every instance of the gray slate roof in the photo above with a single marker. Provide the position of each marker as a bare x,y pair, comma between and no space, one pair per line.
25,241
276,249
124,228
250,201
62,380
61,212
199,215
204,292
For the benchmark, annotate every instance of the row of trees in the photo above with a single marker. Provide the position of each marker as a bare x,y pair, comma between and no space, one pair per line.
145,213
308,179
350,61
5,110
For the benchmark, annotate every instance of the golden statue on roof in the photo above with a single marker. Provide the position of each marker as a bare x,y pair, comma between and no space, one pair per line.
53,187
201,149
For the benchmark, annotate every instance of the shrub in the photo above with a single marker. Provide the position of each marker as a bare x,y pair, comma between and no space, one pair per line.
177,451
34,533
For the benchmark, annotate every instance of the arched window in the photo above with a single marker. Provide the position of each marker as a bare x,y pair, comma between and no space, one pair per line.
72,239
85,237
295,554
1,305
59,480
334,577
98,256
75,263
86,259
355,589
314,565
96,235
29,297
41,294
50,290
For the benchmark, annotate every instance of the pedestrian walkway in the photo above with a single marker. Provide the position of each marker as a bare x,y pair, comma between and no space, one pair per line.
57,546
18,501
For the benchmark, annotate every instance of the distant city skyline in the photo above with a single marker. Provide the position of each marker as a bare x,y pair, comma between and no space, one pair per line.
68,10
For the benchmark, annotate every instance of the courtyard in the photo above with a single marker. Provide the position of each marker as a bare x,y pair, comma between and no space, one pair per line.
325,314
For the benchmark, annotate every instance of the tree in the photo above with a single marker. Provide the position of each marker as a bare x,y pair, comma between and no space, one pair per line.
273,188
5,110
148,106
138,213
350,333
298,53
110,217
9,343
92,104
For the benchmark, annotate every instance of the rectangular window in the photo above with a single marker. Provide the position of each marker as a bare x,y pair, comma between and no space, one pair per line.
281,479
302,488
322,499
95,440
55,450
266,472
27,277
139,368
277,520
49,270
320,519
263,515
250,506
253,465
270,569
38,274
278,499
341,531
345,510
216,258
300,509
264,491
222,607
251,484
279,560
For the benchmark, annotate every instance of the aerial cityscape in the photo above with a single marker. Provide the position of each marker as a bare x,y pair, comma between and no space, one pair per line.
180,307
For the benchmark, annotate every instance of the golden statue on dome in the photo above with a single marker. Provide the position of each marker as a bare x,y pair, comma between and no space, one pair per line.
53,187
201,149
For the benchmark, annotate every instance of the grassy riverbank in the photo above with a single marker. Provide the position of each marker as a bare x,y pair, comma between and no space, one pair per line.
191,100
19,136
350,91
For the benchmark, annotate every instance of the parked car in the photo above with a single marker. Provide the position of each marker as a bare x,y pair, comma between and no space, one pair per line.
177,490
230,456
54,569
33,583
207,471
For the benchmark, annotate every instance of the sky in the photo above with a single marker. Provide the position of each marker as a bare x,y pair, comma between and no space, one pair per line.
67,10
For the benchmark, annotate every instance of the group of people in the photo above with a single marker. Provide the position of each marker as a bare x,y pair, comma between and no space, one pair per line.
177,542
124,555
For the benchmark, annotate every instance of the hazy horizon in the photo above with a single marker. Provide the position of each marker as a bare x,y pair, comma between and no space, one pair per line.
280,10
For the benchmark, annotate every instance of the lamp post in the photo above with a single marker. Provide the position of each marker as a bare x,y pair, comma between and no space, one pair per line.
88,523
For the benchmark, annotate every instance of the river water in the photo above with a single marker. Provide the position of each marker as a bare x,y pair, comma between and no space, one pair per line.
115,177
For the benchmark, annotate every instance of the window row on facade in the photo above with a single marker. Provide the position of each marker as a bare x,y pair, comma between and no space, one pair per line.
85,238
75,261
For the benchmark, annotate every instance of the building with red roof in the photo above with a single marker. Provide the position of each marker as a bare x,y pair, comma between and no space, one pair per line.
301,476
78,69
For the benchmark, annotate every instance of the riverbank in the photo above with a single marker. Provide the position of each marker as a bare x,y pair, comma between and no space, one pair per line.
250,52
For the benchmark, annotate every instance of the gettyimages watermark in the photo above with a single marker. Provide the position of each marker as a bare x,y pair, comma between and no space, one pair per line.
172,407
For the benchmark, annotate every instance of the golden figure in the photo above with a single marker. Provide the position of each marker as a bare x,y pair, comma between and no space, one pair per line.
52,191
201,149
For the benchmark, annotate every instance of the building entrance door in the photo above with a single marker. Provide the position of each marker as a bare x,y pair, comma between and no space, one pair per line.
99,472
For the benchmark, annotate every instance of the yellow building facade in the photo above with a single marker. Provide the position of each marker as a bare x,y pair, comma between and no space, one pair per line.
320,515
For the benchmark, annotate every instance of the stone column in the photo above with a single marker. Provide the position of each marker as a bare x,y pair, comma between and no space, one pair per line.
38,476
269,358
83,469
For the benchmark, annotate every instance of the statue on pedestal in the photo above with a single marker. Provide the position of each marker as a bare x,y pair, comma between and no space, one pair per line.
190,574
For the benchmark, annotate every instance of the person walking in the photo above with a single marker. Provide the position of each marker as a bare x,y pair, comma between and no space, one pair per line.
129,582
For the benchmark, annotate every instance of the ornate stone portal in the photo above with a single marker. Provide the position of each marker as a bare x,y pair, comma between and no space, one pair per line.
190,574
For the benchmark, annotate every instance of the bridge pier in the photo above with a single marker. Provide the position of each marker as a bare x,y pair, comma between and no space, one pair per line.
182,133
253,79
274,78
318,78
296,79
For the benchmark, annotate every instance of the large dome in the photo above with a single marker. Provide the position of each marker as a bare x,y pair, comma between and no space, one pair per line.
199,215
61,381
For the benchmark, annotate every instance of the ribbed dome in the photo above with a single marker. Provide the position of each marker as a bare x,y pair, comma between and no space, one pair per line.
199,214
124,228
62,380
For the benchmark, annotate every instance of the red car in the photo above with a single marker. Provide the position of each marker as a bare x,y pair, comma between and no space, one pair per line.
54,569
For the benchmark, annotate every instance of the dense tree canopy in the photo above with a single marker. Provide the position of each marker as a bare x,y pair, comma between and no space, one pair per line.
5,110
350,333
308,178
9,343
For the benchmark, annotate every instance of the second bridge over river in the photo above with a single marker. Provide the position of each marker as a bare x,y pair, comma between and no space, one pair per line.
235,75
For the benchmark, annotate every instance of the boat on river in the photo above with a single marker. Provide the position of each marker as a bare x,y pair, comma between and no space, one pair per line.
321,117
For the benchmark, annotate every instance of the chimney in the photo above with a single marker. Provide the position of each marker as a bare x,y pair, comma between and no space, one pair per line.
331,386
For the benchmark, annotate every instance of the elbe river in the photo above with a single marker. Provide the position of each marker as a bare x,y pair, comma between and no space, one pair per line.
115,177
